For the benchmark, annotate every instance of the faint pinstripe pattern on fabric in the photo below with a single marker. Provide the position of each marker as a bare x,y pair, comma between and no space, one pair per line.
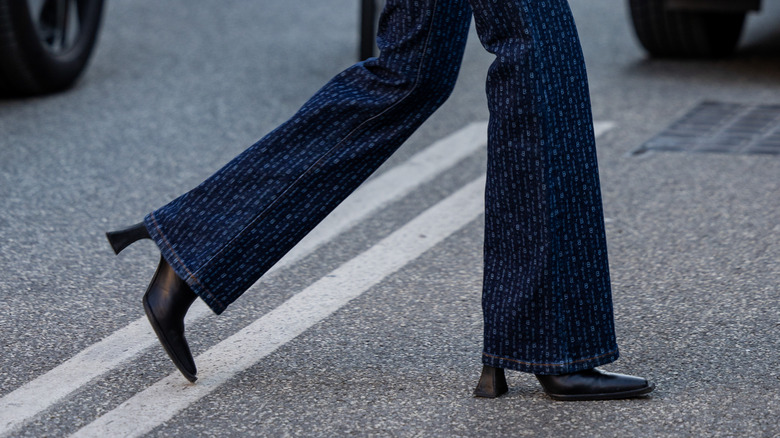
546,297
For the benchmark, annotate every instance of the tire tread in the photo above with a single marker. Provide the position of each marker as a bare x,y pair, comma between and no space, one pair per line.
694,34
15,75
26,67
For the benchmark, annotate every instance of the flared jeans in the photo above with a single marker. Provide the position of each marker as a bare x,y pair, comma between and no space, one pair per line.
546,292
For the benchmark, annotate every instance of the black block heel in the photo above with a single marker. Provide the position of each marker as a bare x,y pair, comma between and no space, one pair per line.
121,239
492,383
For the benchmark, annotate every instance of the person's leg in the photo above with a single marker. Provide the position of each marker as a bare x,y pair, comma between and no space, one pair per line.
546,298
224,234
219,238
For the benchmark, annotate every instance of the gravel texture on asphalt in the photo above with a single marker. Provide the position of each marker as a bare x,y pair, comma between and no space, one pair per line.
177,88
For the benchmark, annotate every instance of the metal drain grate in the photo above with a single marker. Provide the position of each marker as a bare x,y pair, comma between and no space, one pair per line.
724,128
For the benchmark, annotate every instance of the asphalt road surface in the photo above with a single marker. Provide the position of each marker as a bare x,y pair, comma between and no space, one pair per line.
373,325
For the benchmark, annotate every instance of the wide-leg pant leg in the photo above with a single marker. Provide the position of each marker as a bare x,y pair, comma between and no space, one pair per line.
546,299
224,234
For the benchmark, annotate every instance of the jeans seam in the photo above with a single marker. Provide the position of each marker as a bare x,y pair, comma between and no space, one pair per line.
550,364
330,152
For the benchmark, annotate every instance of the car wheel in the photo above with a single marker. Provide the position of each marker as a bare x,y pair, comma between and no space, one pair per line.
679,33
45,44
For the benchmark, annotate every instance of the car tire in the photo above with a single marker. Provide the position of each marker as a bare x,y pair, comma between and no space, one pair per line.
45,44
675,33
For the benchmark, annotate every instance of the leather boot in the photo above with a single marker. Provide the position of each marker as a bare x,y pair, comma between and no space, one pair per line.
166,302
593,384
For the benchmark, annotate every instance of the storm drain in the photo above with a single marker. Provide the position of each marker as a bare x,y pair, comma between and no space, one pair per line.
723,128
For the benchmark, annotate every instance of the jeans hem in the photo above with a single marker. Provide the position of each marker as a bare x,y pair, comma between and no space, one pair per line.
179,267
554,368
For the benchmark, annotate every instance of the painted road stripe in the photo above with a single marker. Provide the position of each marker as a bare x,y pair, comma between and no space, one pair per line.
30,399
161,401
25,402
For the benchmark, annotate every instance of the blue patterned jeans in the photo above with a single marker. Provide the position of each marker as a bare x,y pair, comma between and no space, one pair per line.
546,298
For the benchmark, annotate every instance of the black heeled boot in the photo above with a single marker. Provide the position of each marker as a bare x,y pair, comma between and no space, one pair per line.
593,384
166,302
492,383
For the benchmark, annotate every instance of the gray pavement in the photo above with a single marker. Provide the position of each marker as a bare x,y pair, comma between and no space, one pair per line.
178,88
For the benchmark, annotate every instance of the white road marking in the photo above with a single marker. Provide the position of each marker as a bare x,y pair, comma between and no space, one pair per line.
22,404
161,401
25,402
600,128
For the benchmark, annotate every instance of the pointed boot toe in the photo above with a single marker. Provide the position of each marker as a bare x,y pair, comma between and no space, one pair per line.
166,302
593,384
